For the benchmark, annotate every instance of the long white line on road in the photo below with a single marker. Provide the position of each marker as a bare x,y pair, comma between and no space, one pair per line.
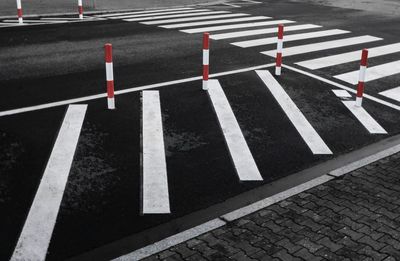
223,21
289,38
172,240
161,14
245,165
144,12
309,48
154,168
393,94
306,131
38,229
372,98
174,16
199,18
364,118
333,60
34,21
126,91
373,73
262,31
235,26
342,93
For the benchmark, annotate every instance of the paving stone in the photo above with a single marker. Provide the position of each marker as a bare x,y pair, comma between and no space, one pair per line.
327,242
285,256
175,257
289,246
351,233
390,251
371,242
328,254
311,246
368,251
165,254
241,256
183,250
196,257
306,255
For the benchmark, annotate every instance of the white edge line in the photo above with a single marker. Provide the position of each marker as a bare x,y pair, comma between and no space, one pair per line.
372,98
173,240
124,91
247,210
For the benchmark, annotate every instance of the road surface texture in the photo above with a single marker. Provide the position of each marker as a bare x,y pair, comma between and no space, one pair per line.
58,138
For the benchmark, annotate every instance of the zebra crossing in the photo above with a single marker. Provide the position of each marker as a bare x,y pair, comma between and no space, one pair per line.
45,20
260,31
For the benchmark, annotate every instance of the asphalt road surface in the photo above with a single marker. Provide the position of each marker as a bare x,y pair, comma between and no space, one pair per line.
44,66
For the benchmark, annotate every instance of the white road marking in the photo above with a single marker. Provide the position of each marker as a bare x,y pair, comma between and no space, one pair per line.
151,18
308,48
223,21
364,118
235,26
261,31
289,38
34,21
172,240
306,131
245,165
393,94
372,98
373,73
333,60
247,210
125,91
154,168
160,14
199,18
38,229
342,93
144,12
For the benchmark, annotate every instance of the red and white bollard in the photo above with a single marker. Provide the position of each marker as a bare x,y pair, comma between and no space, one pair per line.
279,48
206,59
361,77
110,76
19,12
80,9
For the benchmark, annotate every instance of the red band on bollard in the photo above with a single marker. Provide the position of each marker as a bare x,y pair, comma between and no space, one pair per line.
206,41
110,89
279,59
19,11
364,57
280,31
205,72
360,89
108,53
80,9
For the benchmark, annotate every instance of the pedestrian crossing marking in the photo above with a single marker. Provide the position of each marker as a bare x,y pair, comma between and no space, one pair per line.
222,36
289,38
305,129
364,118
235,26
243,161
144,12
373,73
170,21
342,93
154,168
314,47
164,14
393,94
235,20
151,18
348,57
38,228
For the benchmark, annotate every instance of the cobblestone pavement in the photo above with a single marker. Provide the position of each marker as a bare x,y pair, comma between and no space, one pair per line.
355,217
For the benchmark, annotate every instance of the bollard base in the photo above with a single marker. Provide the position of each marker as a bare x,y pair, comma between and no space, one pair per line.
111,103
278,71
205,85
358,101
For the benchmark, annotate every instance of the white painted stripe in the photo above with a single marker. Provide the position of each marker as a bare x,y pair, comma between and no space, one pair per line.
160,14
261,31
393,94
307,132
239,213
155,180
342,93
109,72
38,229
364,118
349,57
365,161
172,240
289,38
34,21
199,18
223,21
361,73
235,26
374,73
174,16
125,91
245,165
279,46
372,98
144,12
206,57
308,48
